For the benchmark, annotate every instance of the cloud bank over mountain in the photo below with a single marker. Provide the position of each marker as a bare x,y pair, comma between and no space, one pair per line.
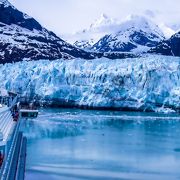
55,16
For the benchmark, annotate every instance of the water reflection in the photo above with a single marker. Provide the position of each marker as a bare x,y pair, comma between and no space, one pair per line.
75,144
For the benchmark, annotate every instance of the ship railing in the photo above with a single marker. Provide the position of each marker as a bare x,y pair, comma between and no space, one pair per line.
11,146
7,126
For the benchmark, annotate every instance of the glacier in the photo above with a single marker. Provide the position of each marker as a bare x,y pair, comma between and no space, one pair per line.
149,83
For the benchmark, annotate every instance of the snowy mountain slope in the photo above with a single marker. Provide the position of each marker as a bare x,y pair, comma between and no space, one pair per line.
121,35
167,30
136,34
148,83
22,37
86,38
169,47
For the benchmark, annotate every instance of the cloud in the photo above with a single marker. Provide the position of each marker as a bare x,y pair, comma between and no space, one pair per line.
150,13
66,16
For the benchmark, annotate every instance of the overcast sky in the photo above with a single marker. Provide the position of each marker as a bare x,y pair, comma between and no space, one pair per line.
67,16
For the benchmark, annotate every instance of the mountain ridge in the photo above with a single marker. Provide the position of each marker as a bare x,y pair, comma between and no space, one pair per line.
170,47
22,37
136,34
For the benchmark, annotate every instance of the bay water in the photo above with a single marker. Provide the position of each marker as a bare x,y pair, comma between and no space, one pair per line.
90,144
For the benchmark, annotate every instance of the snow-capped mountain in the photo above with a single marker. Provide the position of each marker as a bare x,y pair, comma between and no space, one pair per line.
104,24
167,30
148,83
169,47
22,37
86,38
136,34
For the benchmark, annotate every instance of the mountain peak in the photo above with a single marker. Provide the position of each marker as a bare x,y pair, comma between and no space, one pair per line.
6,3
104,16
22,37
141,22
104,20
136,34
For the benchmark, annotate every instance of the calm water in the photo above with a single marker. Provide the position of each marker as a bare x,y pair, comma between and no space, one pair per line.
75,144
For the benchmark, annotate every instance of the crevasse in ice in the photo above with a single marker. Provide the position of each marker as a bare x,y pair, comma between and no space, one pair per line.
147,83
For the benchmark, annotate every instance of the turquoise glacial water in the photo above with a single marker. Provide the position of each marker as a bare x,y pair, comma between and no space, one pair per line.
77,144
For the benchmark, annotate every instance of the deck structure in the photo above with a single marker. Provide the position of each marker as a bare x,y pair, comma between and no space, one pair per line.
12,141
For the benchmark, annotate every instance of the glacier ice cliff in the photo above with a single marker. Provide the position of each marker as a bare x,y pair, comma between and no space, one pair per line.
149,83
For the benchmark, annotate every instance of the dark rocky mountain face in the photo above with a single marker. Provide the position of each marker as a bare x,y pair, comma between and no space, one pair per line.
9,15
22,37
170,47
